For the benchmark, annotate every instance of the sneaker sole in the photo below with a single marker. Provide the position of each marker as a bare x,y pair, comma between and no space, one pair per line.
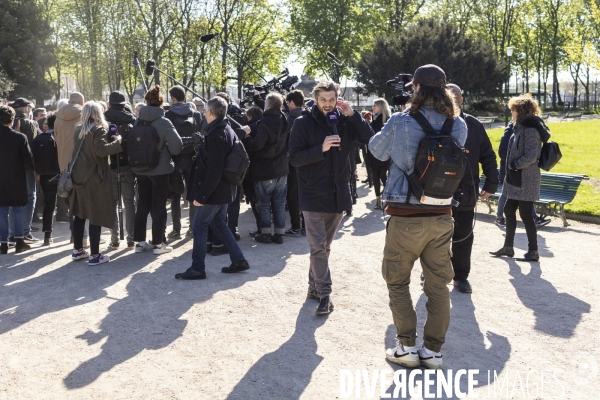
161,252
325,312
98,263
407,364
79,258
429,363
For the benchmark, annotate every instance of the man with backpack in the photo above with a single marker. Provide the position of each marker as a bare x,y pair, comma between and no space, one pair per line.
124,119
185,121
45,158
424,144
269,166
211,192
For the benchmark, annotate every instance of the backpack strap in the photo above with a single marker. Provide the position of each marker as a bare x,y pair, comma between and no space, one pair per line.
426,126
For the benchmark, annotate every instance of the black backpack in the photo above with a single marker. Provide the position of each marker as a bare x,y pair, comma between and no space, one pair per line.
236,163
45,155
439,165
123,157
185,127
142,146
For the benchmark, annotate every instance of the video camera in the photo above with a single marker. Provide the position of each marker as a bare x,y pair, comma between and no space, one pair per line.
282,84
399,85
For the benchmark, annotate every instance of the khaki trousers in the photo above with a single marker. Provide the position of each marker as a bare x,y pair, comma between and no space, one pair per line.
427,238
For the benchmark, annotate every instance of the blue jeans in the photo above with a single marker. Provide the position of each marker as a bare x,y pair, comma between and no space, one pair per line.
16,214
214,216
271,194
27,210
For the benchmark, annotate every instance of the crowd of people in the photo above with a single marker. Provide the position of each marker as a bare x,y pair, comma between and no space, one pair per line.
145,156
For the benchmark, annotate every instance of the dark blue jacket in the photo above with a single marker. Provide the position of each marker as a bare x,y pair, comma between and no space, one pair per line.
208,187
503,149
324,178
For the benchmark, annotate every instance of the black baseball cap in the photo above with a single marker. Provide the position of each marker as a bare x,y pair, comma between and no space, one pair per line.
428,75
116,98
20,102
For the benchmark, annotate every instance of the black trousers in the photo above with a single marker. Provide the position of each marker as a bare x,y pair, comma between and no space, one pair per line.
49,190
153,192
94,235
233,212
292,198
379,177
461,251
185,165
525,210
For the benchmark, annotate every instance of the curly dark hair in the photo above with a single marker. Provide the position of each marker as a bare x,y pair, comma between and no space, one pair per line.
524,105
153,97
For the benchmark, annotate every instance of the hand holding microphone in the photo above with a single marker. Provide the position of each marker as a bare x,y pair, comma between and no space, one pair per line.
332,140
113,133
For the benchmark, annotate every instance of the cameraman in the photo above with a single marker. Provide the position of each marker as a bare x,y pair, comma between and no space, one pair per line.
121,116
322,159
417,230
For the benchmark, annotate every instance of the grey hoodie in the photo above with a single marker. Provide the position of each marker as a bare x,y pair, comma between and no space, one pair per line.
169,144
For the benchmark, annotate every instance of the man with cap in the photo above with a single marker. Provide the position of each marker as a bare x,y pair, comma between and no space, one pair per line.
123,118
67,118
479,150
29,128
415,229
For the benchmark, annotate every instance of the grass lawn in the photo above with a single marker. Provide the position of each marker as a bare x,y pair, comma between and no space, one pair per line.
580,146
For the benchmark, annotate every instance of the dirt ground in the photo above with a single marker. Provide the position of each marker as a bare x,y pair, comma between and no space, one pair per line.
128,329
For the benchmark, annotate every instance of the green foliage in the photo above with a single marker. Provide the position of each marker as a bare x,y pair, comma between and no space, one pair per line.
468,61
487,105
580,148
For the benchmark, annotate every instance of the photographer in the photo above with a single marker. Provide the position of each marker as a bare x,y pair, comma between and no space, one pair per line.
269,165
322,159
122,117
416,230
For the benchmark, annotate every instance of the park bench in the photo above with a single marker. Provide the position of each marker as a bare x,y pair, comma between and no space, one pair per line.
573,115
546,116
556,190
487,121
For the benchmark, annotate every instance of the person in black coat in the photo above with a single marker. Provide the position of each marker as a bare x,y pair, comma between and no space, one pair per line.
211,194
15,159
321,157
480,151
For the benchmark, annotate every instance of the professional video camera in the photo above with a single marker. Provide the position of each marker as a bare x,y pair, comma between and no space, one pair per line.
282,84
399,85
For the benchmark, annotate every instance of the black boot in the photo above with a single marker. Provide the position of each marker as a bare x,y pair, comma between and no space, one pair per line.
325,306
463,285
21,246
236,267
531,255
505,251
47,238
191,274
3,248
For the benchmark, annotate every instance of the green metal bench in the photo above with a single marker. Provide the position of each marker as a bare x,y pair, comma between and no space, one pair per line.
556,190
487,121
573,115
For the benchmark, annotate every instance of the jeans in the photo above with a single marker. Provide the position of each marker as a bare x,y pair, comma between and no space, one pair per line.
213,215
510,210
153,191
428,239
49,190
95,231
16,214
128,195
271,193
28,209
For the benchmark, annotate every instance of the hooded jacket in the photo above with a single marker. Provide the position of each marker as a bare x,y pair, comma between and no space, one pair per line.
324,178
176,114
268,148
169,141
117,114
523,176
67,119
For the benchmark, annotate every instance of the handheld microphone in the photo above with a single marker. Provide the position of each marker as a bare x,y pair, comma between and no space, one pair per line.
334,58
113,131
150,67
333,120
209,36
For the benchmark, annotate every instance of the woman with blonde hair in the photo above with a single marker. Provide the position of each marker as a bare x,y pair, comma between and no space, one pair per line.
522,180
379,169
92,197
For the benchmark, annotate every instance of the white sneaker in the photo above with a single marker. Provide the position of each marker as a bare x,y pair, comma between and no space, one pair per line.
143,246
430,359
403,355
101,259
163,248
79,255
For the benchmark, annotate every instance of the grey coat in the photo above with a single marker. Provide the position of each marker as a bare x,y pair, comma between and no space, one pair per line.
524,149
92,195
170,143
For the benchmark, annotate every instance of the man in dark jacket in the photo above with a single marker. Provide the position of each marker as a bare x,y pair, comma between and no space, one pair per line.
295,102
480,151
322,159
269,166
181,114
211,194
121,116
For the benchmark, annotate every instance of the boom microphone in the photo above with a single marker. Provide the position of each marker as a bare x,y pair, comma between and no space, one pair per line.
209,36
334,58
150,67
